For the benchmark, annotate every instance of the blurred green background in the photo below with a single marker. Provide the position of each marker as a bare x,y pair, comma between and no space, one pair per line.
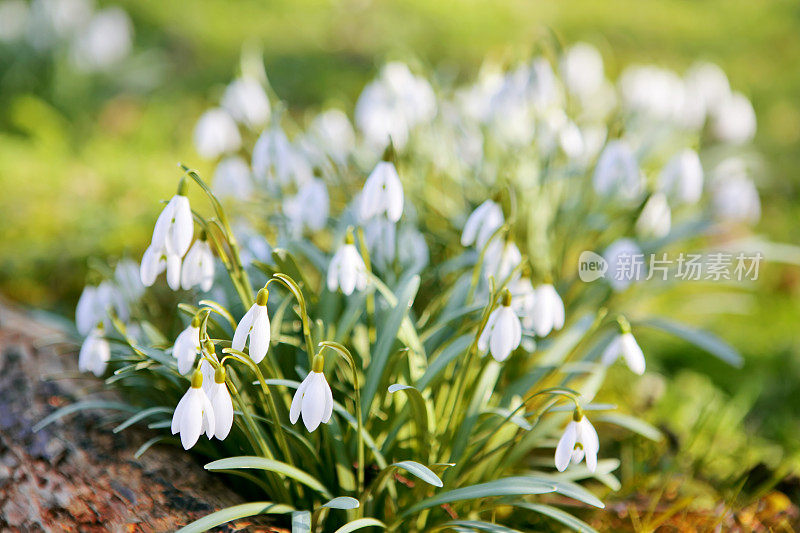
85,159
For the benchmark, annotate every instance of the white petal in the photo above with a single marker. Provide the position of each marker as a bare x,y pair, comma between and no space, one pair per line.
243,329
565,446
173,271
297,401
483,340
152,265
102,353
328,411
206,268
191,424
588,436
190,271
314,402
182,229
501,341
632,353
611,352
333,270
223,412
473,223
394,193
209,418
85,316
176,416
161,229
347,270
260,335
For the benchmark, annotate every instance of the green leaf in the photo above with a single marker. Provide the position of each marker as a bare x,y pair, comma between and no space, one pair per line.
453,350
301,522
147,445
388,333
234,513
421,413
480,526
82,406
631,423
361,523
262,463
142,415
510,486
421,471
558,515
342,502
702,339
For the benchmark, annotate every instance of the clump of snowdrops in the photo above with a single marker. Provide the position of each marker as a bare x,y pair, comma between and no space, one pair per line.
383,326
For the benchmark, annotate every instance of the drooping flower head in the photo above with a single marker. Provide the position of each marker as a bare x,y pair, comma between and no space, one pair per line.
579,440
216,134
503,331
194,414
198,266
187,346
484,221
254,326
347,270
313,398
682,177
95,352
383,192
624,345
548,310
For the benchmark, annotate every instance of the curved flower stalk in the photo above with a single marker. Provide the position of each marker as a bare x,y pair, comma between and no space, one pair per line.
194,414
382,194
95,352
347,270
578,441
548,310
255,328
503,331
313,399
198,266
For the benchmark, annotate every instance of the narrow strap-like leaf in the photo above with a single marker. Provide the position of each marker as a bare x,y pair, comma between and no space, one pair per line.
235,513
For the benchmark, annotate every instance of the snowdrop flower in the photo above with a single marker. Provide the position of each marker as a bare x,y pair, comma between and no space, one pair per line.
313,398
734,197
617,171
198,266
187,346
682,177
382,194
95,352
735,120
625,263
655,219
653,91
221,404
216,134
247,102
175,227
255,326
582,68
578,441
309,207
347,270
548,310
332,129
484,221
154,262
105,41
126,275
194,414
626,346
523,300
501,258
232,178
87,313
708,85
503,331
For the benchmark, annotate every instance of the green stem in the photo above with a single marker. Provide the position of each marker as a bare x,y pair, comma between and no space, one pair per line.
294,288
371,319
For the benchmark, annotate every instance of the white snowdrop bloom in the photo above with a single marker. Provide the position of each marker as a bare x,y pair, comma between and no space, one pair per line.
548,310
187,346
246,101
543,85
275,158
221,404
95,352
707,82
625,345
735,120
582,68
13,19
232,178
653,91
106,40
734,196
625,263
381,238
484,221
313,398
501,258
682,177
308,208
523,300
126,275
617,171
198,266
175,227
255,326
332,129
154,262
655,220
347,270
503,331
87,314
578,441
412,250
216,134
194,414
382,193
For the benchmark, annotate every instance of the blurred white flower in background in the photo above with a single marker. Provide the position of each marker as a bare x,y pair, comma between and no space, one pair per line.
106,40
707,86
216,134
13,19
198,266
734,196
653,91
482,223
681,179
622,257
347,270
624,345
735,120
617,172
95,352
655,219
548,310
276,160
501,258
333,131
382,193
308,208
582,70
247,102
232,178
